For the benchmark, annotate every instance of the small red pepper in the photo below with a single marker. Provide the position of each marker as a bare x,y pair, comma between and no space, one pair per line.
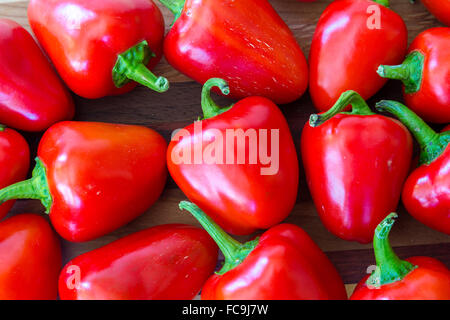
99,46
416,278
244,42
32,97
356,163
283,263
14,161
159,263
425,74
440,9
94,177
30,256
426,193
351,40
241,192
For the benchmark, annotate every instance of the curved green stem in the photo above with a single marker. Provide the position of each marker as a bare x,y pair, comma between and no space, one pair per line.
390,268
2,127
209,107
409,72
131,65
382,2
233,251
359,107
432,144
175,6
34,188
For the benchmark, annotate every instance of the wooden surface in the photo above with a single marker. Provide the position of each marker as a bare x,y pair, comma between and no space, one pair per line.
180,106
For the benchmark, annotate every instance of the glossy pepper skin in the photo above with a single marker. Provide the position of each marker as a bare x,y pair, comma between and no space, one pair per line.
99,46
348,47
440,9
94,177
355,164
158,263
30,256
240,195
425,74
32,96
14,161
244,42
416,278
426,193
283,263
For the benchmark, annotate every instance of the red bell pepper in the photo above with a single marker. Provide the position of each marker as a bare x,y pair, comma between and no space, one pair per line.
163,262
32,96
416,278
352,38
425,74
14,161
94,177
244,42
244,169
30,256
283,263
99,46
440,9
426,193
355,164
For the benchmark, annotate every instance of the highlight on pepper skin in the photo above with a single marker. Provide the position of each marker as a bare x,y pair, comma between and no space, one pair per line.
189,150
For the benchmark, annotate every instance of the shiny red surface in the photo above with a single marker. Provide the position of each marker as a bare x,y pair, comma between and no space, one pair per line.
355,168
237,196
345,53
285,265
440,9
244,42
14,162
32,97
163,262
30,256
432,101
430,281
83,38
101,176
426,194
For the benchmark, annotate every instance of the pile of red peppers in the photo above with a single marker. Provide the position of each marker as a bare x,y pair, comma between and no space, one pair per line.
93,178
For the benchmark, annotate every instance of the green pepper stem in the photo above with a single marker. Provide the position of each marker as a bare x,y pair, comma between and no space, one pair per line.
131,65
390,268
432,144
2,127
34,188
382,2
409,72
233,251
209,107
145,77
359,107
175,6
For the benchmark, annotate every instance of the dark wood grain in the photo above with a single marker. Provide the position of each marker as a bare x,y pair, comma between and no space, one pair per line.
181,105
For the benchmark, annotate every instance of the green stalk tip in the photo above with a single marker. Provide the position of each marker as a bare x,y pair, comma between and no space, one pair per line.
209,107
131,65
34,188
432,144
350,97
389,267
233,251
